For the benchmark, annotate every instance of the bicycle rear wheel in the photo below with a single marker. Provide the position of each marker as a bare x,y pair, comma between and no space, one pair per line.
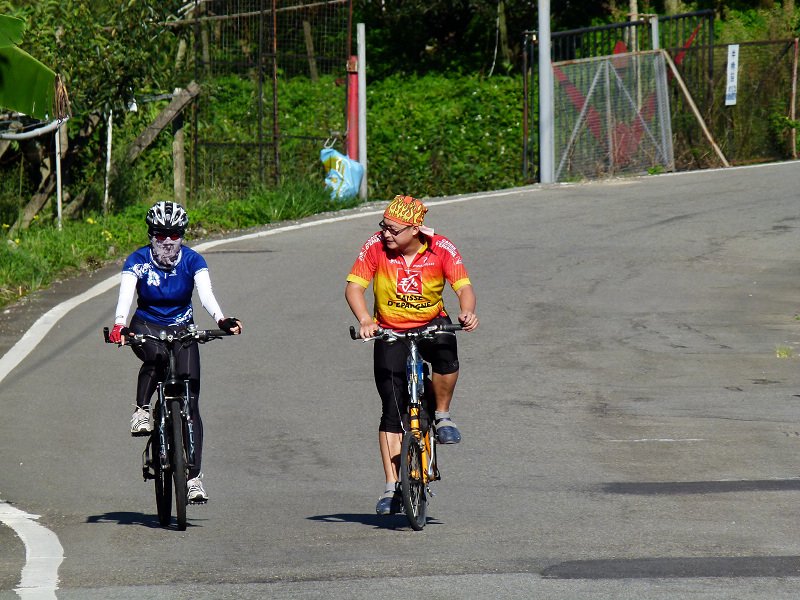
178,463
412,483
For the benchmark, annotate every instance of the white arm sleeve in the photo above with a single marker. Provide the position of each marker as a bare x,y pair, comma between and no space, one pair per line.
203,282
127,287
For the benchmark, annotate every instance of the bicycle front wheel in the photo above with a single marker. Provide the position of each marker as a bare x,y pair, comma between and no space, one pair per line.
412,482
163,483
178,463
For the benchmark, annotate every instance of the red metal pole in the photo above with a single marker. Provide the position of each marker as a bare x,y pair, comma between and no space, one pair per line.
352,107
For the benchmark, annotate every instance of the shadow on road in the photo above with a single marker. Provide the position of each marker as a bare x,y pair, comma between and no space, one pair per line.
130,518
679,567
373,520
668,488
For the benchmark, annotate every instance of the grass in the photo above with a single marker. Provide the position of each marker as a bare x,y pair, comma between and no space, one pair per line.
42,254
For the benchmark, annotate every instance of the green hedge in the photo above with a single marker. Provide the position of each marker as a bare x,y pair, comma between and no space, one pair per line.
433,135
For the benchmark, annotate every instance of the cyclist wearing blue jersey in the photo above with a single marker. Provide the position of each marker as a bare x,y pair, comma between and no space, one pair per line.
163,276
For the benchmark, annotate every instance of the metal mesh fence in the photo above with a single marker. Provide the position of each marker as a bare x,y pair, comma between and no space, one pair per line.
253,57
611,116
756,128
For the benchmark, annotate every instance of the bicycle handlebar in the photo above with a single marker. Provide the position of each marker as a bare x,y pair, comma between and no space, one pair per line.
199,335
391,335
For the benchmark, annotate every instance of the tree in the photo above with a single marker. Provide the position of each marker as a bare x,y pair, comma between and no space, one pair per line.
27,85
107,52
443,35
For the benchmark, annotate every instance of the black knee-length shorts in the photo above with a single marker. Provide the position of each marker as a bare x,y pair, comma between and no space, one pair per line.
390,373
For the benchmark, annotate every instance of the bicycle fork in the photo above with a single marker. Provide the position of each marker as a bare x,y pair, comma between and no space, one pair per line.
415,372
164,438
189,426
157,458
427,448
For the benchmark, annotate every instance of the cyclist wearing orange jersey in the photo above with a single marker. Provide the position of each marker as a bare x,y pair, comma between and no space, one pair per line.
408,266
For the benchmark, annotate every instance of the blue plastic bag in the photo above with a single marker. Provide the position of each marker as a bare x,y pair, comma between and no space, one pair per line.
343,173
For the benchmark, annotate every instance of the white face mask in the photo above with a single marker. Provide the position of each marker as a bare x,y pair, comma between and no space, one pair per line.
166,252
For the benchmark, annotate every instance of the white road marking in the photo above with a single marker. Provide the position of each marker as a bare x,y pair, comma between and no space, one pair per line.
45,323
43,554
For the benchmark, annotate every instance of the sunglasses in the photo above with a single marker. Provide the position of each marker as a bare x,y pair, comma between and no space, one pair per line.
163,236
386,229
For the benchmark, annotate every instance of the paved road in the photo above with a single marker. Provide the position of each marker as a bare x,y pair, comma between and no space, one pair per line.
629,431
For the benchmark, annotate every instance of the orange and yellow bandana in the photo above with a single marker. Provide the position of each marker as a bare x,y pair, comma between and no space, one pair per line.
406,210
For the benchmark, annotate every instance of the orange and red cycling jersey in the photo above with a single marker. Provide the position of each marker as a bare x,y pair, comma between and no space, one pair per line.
408,296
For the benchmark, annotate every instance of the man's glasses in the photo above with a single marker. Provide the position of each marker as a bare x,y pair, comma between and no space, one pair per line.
163,236
386,229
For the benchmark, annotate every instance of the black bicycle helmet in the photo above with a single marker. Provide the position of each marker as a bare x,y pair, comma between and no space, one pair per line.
167,216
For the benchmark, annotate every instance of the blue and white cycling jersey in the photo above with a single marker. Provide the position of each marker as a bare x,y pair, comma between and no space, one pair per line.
164,297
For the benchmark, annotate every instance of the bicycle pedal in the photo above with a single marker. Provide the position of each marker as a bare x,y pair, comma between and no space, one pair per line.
140,433
205,501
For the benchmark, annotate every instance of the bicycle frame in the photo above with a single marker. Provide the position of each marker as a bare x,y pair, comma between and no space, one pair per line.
167,390
415,372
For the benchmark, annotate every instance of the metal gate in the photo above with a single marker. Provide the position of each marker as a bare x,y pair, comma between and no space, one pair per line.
250,56
675,33
611,116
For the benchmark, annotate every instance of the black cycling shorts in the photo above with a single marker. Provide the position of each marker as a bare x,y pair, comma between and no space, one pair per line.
154,361
390,373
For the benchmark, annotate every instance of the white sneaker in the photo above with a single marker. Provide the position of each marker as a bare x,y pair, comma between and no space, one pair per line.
140,422
196,493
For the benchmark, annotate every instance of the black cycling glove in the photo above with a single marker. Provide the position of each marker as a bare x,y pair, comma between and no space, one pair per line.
227,324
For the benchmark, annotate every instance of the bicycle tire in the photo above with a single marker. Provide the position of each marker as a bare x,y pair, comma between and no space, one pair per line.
178,463
163,486
412,483
162,479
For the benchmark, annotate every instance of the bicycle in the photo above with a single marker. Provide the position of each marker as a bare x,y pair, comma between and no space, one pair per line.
418,466
170,451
